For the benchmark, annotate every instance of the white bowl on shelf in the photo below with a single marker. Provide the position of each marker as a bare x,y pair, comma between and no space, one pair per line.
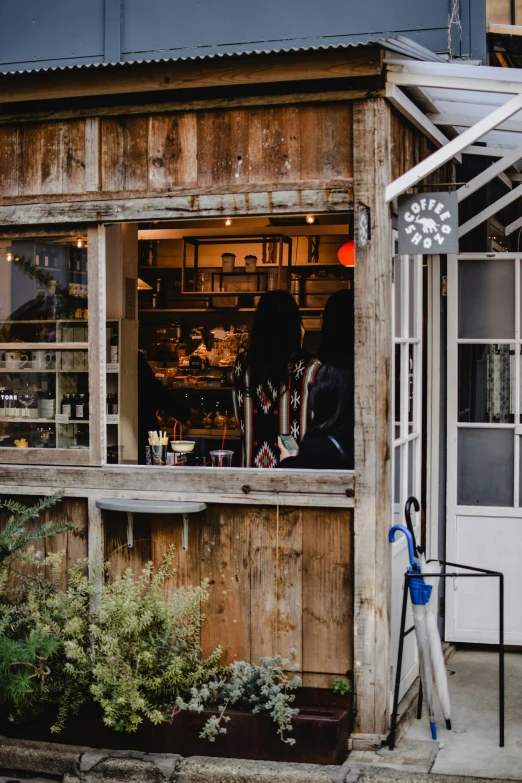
182,446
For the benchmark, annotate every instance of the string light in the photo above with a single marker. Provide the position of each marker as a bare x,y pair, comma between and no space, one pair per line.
310,219
79,243
228,222
9,256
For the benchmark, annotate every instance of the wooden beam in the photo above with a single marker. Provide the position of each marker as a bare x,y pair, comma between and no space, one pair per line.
282,202
490,173
489,152
325,489
412,112
491,210
373,421
97,356
459,144
406,79
467,121
514,226
166,107
504,29
190,74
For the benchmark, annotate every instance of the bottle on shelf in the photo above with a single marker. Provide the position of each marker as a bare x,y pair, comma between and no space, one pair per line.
113,347
113,408
159,297
80,407
66,405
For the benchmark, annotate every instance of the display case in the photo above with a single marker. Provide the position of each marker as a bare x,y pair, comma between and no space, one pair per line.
44,348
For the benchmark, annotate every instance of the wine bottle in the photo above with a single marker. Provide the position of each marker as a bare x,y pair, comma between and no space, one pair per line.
113,347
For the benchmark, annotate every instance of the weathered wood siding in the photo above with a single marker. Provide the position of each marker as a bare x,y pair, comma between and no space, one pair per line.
408,147
73,543
195,151
279,578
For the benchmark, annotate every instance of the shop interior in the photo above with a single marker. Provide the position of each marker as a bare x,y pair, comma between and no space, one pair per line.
194,286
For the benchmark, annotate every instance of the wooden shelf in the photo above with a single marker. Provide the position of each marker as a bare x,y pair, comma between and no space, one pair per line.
49,321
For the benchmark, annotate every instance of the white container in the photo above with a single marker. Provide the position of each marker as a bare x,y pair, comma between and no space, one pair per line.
229,260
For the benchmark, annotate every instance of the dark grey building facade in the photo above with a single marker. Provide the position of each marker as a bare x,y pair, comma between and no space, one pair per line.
38,34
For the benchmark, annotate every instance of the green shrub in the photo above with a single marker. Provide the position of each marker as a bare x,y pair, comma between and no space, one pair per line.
135,652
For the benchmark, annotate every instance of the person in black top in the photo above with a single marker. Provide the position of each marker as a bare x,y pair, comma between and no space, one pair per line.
329,440
153,396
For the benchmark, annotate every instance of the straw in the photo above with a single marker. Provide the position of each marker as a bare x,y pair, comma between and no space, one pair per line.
224,436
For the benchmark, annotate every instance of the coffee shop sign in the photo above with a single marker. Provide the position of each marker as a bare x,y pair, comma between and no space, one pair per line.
428,223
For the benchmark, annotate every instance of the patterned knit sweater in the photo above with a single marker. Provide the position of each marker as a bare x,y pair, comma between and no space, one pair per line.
269,411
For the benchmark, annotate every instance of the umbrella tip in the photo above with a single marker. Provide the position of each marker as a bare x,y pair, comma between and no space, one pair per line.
448,724
433,727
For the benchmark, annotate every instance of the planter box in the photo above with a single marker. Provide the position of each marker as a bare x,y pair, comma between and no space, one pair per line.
321,734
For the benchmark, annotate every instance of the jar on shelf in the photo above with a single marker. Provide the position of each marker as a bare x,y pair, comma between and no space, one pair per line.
228,260
250,264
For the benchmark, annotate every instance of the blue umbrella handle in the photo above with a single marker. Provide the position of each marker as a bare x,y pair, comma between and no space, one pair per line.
409,539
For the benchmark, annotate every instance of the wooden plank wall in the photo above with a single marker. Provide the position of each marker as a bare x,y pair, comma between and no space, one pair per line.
279,578
196,151
72,543
409,146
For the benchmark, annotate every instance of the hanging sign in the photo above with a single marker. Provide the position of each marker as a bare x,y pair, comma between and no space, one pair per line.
428,223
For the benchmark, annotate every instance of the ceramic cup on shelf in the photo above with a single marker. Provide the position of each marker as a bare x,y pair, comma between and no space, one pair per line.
42,360
229,260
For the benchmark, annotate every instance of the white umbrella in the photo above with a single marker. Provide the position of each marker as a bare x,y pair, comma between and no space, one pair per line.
420,594
436,655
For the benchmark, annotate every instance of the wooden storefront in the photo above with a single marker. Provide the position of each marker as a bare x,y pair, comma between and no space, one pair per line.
294,559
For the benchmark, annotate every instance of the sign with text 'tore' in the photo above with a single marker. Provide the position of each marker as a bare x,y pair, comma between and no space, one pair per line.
428,223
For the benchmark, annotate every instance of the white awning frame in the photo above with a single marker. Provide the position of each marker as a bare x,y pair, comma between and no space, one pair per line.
475,104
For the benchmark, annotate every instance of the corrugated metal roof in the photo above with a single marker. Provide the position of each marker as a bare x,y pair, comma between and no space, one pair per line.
398,44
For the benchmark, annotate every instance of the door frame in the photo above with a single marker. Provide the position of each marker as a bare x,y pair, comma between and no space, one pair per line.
453,510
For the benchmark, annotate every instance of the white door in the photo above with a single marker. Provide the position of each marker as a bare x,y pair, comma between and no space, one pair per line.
484,514
407,451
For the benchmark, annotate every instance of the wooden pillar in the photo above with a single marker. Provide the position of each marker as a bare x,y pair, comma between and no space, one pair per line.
373,422
97,380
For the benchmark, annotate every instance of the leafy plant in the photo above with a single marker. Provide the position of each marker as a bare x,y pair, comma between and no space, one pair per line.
341,686
24,672
17,534
259,688
135,652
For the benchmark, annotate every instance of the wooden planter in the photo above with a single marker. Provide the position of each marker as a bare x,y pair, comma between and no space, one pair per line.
321,735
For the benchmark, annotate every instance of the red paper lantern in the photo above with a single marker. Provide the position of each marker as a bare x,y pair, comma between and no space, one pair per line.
346,253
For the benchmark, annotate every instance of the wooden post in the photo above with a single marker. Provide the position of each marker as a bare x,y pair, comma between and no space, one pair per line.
97,358
373,421
95,548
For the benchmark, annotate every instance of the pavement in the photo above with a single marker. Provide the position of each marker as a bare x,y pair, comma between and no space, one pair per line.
471,748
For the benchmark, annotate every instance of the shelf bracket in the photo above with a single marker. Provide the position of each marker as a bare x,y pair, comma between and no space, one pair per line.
130,529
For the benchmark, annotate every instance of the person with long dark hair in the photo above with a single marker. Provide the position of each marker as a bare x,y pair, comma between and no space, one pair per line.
329,440
272,381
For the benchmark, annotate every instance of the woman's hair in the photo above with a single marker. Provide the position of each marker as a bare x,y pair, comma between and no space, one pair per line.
331,399
337,338
274,340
